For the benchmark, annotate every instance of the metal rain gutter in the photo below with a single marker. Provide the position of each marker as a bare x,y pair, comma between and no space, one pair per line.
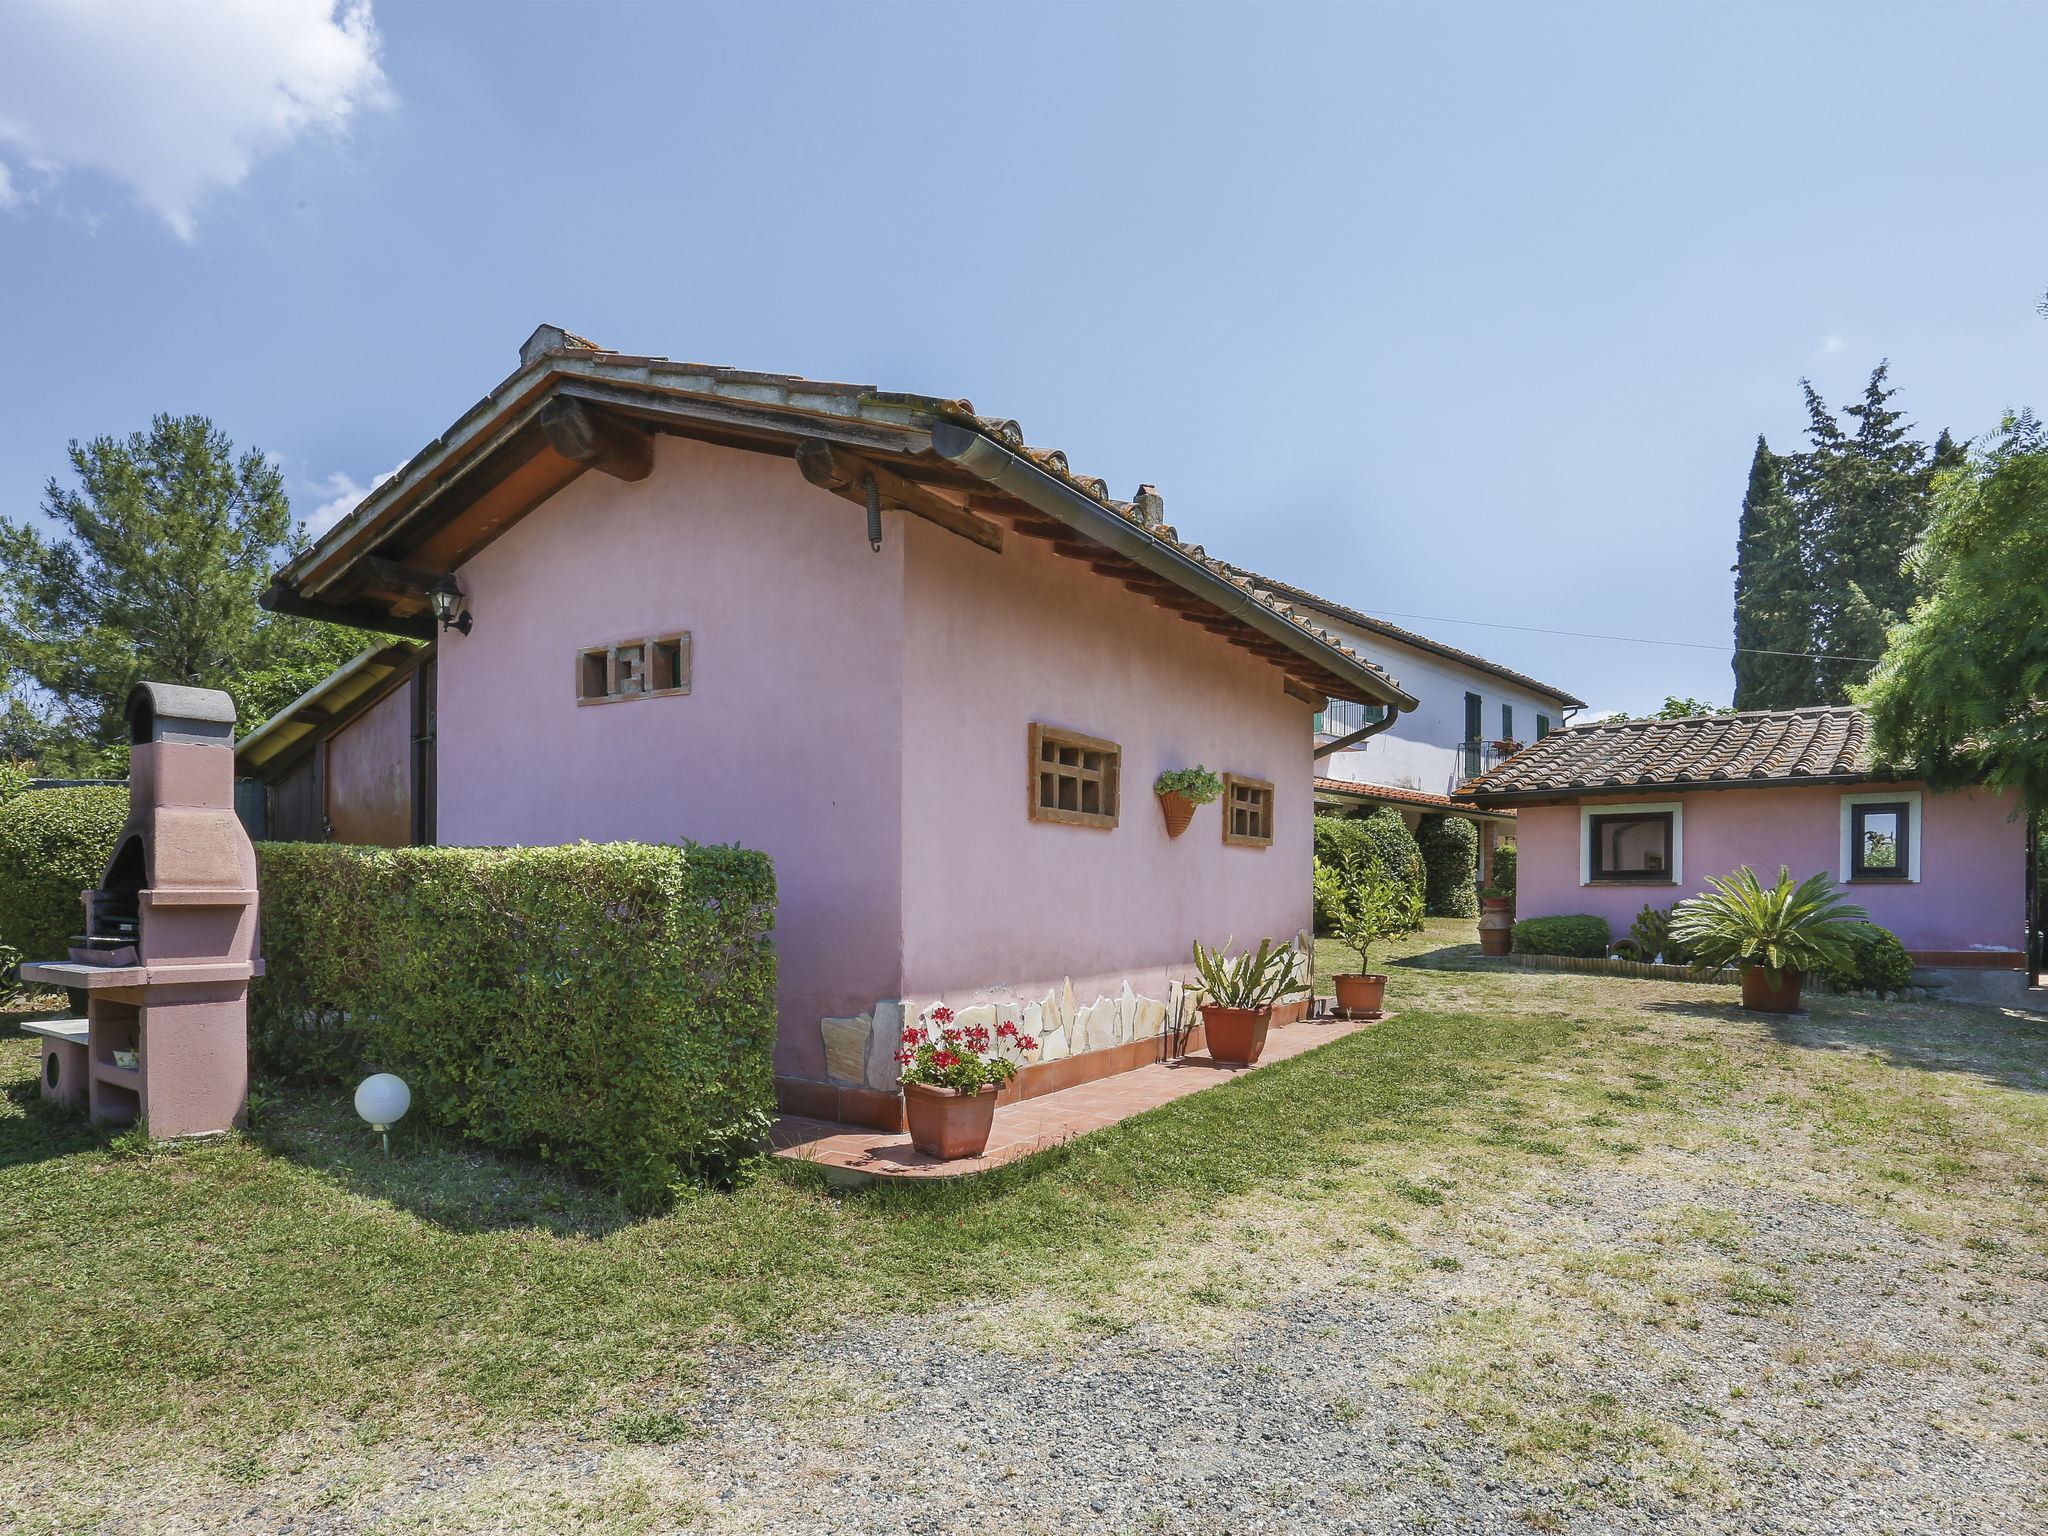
1018,476
1345,743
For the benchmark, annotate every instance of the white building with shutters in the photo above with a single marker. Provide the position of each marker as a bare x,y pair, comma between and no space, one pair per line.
1472,714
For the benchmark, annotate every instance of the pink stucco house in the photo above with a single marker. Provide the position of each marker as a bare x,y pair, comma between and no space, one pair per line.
1613,815
930,670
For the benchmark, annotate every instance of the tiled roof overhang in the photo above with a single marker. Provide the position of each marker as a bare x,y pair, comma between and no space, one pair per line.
499,462
1763,749
1346,789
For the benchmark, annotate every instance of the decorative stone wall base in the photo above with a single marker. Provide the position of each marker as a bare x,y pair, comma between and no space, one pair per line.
1076,1043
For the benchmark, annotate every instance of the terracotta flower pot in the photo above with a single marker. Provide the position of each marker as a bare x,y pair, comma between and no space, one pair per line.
1497,925
1361,994
1179,809
1236,1036
1759,995
946,1123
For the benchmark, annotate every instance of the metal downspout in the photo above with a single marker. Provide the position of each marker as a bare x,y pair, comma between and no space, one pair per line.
999,467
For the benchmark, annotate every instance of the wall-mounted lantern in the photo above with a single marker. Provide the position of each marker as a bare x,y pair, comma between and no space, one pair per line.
449,607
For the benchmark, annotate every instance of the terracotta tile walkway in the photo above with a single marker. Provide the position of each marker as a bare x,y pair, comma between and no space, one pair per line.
852,1155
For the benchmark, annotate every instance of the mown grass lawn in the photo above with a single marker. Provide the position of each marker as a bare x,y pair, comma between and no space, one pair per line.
197,1308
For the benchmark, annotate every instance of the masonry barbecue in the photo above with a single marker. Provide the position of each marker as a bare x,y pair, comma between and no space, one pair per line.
170,933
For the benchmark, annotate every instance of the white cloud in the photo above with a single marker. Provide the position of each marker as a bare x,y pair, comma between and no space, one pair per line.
343,497
1833,344
176,98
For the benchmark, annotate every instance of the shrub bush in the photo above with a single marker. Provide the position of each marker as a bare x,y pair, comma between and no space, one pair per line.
1450,862
1878,962
1651,935
53,844
1504,868
1380,842
1581,935
607,1006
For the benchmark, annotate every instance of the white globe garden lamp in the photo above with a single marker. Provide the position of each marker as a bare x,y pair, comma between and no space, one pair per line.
383,1099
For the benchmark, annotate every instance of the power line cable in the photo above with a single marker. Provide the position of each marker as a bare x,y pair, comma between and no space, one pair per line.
1573,634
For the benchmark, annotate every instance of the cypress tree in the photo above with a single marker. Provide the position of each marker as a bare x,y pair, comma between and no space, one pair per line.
1773,593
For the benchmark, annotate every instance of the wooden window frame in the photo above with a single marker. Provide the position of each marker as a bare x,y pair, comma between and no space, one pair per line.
1232,782
1108,777
677,640
1595,875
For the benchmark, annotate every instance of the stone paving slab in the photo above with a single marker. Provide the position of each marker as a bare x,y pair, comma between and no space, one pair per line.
853,1155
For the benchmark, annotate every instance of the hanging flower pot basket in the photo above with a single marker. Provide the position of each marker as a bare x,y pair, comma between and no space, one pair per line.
1180,810
1181,791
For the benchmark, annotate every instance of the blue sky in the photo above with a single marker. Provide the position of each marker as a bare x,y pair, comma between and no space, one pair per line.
1461,311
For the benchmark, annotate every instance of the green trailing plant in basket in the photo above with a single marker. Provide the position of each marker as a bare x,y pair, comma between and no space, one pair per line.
1196,784
1250,980
1784,927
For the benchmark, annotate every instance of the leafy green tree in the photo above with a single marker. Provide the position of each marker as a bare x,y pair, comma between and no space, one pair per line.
164,546
1774,600
1676,708
1962,692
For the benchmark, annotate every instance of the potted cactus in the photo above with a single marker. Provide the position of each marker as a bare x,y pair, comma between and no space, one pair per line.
950,1081
1238,997
1773,936
1180,791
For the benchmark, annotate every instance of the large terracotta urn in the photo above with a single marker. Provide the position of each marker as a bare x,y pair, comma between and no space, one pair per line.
1760,996
1497,925
1236,1036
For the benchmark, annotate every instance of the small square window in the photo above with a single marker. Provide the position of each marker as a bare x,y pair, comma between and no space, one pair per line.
1880,836
1247,811
633,669
1633,847
1073,777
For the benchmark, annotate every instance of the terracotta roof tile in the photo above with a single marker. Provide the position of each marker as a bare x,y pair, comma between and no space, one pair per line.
1762,747
1400,796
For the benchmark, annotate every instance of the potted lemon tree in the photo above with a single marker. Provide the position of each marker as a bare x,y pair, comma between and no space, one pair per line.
1371,911
1238,997
950,1078
1773,936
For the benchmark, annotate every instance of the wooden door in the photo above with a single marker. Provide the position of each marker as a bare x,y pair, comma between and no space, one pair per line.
369,773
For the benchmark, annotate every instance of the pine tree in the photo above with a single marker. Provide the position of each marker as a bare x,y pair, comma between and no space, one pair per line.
1773,593
163,550
1821,555
1870,505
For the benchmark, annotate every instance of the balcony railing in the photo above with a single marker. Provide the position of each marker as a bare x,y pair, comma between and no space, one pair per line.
1478,757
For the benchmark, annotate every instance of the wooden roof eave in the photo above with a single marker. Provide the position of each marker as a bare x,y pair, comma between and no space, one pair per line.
333,701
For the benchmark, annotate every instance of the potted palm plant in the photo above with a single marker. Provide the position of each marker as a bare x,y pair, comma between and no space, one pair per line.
1181,791
950,1081
1238,997
1774,936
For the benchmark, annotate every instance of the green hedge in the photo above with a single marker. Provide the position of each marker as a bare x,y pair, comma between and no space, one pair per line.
1582,935
1380,841
1504,867
53,844
1450,862
609,1006
1879,962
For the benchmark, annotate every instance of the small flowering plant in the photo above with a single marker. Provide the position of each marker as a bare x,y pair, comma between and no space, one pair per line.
940,1055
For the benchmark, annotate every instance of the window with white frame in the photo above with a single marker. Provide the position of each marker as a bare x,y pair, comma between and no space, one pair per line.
1881,837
